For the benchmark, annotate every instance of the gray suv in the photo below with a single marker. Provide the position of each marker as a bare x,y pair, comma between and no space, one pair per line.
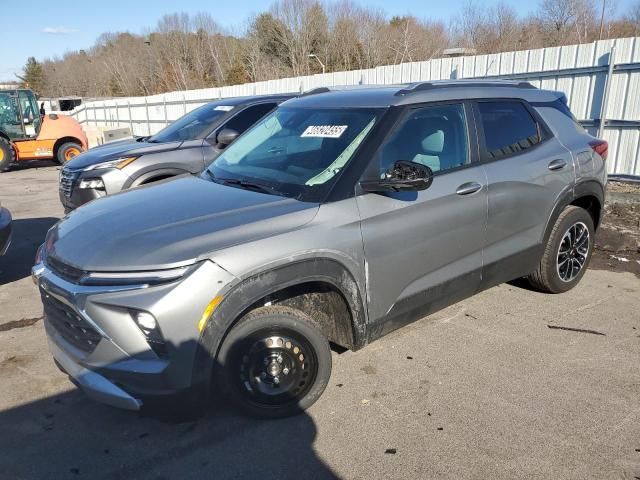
339,217
188,145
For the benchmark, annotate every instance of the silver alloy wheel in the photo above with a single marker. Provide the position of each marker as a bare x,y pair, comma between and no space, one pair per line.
572,252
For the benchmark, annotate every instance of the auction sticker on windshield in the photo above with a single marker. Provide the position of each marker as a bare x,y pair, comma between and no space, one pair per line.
324,131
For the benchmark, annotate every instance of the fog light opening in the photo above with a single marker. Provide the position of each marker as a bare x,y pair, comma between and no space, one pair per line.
146,321
148,325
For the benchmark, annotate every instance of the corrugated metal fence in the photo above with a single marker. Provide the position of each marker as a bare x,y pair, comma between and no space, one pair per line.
601,81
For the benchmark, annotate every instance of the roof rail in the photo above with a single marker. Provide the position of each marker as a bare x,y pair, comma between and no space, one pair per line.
315,91
422,86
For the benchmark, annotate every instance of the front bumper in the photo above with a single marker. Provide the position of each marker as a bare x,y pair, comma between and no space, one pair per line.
93,384
5,230
94,339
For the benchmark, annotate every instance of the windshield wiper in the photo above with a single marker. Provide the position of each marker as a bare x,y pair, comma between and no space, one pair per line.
245,184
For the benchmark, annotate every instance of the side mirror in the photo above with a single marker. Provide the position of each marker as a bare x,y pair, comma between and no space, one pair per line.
403,176
226,136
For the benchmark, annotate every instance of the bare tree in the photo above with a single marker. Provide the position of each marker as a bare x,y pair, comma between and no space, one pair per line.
186,51
304,30
567,21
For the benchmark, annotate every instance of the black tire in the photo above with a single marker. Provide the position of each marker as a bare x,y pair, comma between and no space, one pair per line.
298,356
7,155
557,271
67,151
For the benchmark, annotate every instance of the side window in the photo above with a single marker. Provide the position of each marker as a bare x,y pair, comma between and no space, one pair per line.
249,116
435,136
508,128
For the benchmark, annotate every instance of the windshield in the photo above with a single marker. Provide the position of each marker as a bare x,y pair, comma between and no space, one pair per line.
194,125
295,152
10,115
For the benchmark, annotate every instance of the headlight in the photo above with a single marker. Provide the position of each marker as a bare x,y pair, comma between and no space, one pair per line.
118,163
133,278
94,183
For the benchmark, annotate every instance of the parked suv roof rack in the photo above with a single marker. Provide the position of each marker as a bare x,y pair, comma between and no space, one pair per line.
422,86
315,91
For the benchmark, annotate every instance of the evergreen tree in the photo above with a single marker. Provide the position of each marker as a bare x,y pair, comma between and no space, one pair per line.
32,75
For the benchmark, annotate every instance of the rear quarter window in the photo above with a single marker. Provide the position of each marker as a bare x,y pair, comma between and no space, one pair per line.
561,106
509,128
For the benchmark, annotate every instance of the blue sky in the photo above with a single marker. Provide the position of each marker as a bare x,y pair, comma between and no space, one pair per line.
45,28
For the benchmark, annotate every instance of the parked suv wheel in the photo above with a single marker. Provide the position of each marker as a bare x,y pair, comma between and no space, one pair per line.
67,151
6,154
275,362
567,253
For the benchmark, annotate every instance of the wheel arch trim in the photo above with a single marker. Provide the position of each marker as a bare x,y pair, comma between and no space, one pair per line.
239,297
151,174
582,189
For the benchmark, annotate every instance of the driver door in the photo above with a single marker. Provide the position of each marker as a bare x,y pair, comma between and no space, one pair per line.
423,249
30,114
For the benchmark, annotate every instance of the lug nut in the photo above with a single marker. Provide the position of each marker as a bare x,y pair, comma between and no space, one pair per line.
276,380
285,370
279,359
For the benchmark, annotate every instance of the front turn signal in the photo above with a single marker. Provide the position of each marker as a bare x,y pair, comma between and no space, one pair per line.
213,304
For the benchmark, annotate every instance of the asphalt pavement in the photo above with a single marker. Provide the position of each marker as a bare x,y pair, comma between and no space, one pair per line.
508,384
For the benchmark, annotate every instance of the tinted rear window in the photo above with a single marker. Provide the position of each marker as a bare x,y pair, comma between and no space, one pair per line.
561,105
508,127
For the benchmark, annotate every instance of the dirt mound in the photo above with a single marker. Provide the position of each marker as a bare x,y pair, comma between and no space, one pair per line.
617,245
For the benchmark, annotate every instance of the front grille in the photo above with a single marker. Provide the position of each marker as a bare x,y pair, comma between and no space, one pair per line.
71,326
62,270
67,181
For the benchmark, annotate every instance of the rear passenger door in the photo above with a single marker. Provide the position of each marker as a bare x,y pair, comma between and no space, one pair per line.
424,249
240,122
528,170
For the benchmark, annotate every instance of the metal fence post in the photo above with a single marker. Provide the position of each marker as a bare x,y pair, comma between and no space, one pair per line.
130,117
184,105
118,114
146,107
164,102
605,96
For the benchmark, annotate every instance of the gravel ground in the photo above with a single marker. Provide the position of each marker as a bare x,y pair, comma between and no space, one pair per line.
508,384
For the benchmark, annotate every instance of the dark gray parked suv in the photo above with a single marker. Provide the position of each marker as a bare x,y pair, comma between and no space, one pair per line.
5,229
340,217
188,145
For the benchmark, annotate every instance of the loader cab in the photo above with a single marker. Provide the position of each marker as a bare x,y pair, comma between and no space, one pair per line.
19,114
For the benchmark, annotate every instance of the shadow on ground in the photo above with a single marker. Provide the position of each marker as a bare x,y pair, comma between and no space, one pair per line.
69,436
28,234
27,164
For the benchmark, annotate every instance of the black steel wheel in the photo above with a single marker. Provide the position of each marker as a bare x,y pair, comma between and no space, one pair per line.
275,362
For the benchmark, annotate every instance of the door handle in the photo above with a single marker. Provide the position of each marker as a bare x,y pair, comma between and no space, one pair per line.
468,188
558,164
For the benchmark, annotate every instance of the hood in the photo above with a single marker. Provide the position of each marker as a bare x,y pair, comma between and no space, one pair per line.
169,224
123,148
